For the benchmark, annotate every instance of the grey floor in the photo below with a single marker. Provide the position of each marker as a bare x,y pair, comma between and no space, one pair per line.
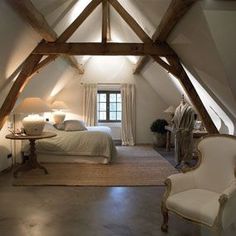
85,211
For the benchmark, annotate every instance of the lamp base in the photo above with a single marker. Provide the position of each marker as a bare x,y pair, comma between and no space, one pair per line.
33,125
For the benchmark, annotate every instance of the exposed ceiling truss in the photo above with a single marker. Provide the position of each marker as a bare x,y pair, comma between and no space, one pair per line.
155,48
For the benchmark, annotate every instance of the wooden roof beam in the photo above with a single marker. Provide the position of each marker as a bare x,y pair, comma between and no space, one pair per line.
69,31
104,20
22,79
131,22
175,66
32,64
142,61
31,15
116,49
182,76
174,13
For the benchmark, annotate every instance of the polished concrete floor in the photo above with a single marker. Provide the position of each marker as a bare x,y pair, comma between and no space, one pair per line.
86,211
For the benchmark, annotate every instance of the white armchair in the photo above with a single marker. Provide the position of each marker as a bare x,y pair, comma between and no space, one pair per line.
205,194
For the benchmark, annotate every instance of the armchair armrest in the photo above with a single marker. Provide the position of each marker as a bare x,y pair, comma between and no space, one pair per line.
228,192
227,200
180,182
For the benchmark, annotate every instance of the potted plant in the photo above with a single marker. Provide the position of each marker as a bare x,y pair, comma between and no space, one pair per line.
159,132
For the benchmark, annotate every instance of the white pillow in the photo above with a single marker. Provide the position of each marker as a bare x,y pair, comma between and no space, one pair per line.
49,127
74,125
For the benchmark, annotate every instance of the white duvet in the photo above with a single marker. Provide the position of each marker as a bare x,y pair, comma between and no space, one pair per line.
96,141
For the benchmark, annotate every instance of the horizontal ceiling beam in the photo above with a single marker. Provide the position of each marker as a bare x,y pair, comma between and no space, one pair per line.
116,49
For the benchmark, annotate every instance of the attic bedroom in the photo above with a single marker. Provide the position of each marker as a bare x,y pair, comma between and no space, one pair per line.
117,117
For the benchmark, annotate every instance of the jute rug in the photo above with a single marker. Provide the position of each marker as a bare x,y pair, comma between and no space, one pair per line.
134,166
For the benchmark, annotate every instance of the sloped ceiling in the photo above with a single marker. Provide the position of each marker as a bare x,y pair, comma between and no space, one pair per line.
204,39
162,83
148,13
200,53
199,39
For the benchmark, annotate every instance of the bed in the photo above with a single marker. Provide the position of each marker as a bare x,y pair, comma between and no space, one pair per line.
94,145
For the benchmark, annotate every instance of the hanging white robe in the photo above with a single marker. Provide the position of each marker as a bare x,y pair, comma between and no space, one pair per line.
183,123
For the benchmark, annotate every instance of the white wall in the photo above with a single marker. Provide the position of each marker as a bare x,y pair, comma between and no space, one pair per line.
18,39
149,105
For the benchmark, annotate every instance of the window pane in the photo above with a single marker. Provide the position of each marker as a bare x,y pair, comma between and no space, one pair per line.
113,97
102,106
102,97
112,106
97,97
119,106
118,97
102,115
112,115
118,115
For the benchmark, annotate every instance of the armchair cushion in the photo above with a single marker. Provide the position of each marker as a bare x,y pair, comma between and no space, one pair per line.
181,182
196,204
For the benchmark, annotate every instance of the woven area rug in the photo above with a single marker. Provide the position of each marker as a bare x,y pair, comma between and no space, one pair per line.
134,166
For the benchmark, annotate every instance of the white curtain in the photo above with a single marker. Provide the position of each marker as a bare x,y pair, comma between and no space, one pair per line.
90,104
128,114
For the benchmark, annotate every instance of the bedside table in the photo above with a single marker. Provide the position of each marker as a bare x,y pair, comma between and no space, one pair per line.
32,163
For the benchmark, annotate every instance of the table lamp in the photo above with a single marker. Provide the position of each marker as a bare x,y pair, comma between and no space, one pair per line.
58,114
33,123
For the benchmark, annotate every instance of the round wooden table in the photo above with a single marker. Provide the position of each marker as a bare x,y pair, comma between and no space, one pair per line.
32,163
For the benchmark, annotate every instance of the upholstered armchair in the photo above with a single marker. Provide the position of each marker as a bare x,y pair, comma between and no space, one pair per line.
205,194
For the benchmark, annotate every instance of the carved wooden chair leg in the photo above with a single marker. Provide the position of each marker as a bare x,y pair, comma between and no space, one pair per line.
164,211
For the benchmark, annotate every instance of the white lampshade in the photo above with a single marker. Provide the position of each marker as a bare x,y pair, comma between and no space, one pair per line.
32,105
59,105
33,123
170,110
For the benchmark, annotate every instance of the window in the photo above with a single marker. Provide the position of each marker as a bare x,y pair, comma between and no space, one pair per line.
109,106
